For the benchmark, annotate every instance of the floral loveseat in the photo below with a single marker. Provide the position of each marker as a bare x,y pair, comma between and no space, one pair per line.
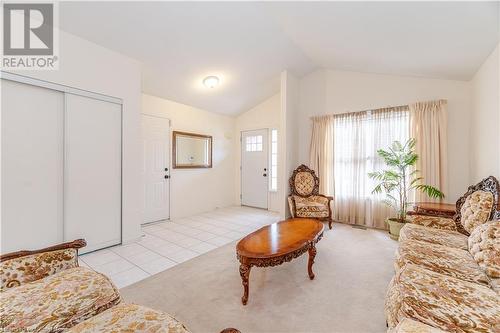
46,291
446,279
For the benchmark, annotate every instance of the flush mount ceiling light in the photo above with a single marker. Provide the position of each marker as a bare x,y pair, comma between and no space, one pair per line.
211,81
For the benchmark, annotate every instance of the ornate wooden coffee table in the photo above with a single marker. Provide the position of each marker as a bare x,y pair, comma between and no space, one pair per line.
277,243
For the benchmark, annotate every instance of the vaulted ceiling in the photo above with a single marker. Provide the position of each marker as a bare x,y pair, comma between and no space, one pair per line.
247,44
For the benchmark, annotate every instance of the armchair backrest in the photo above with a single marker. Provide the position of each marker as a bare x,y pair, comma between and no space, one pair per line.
304,182
481,194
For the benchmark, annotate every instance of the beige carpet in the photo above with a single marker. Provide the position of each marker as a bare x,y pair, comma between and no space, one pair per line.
353,268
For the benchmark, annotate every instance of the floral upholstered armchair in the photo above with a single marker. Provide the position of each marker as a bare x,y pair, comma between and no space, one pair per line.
305,200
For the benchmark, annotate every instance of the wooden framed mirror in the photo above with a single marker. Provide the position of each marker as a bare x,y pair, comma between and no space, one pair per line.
191,151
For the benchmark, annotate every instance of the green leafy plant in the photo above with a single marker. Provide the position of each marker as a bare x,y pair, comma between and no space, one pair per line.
400,179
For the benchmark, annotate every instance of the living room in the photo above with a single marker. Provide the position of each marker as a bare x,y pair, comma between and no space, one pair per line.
251,165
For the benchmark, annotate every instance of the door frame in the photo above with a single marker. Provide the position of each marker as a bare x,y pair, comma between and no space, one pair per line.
169,153
241,163
5,75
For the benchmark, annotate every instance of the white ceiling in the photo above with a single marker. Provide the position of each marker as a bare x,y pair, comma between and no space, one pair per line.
249,44
448,40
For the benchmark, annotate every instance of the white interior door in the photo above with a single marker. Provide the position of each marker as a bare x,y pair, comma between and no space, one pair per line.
32,166
156,168
254,168
92,171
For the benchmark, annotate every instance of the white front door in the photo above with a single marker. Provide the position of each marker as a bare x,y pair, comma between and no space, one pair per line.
254,168
156,168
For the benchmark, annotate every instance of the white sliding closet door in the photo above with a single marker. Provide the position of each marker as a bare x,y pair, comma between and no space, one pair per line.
92,175
32,166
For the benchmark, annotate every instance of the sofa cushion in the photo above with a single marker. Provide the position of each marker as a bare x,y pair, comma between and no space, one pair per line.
441,259
436,222
441,301
56,302
130,318
412,326
431,235
484,246
314,206
17,271
476,210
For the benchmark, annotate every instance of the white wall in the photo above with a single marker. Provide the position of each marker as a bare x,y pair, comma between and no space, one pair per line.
264,115
329,91
88,66
193,191
485,138
292,138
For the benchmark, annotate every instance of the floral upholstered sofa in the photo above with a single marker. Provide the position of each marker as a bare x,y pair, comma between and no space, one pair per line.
448,278
46,291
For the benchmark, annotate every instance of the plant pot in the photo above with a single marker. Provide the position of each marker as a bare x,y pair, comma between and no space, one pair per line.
394,227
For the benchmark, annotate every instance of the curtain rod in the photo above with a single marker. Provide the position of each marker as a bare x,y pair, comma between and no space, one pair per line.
360,112
377,109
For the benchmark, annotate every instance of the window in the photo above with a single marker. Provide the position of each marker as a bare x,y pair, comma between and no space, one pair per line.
254,143
344,150
273,186
356,141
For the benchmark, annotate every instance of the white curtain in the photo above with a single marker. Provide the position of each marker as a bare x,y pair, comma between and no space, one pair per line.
428,125
357,137
321,152
344,150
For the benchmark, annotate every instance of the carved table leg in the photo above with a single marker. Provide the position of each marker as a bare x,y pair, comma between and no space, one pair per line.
312,254
245,274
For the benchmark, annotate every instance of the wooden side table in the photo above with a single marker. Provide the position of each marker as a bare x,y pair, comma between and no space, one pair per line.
434,209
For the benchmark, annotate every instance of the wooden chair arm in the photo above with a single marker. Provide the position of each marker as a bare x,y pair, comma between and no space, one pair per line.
330,198
76,244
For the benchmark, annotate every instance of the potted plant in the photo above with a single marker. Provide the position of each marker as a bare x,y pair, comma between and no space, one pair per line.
399,180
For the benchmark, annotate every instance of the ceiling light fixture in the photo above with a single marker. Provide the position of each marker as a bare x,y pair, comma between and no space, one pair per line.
211,81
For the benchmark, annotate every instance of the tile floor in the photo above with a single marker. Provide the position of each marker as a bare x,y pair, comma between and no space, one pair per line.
168,243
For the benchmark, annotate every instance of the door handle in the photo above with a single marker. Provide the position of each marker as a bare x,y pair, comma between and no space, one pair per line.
166,169
265,175
167,176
